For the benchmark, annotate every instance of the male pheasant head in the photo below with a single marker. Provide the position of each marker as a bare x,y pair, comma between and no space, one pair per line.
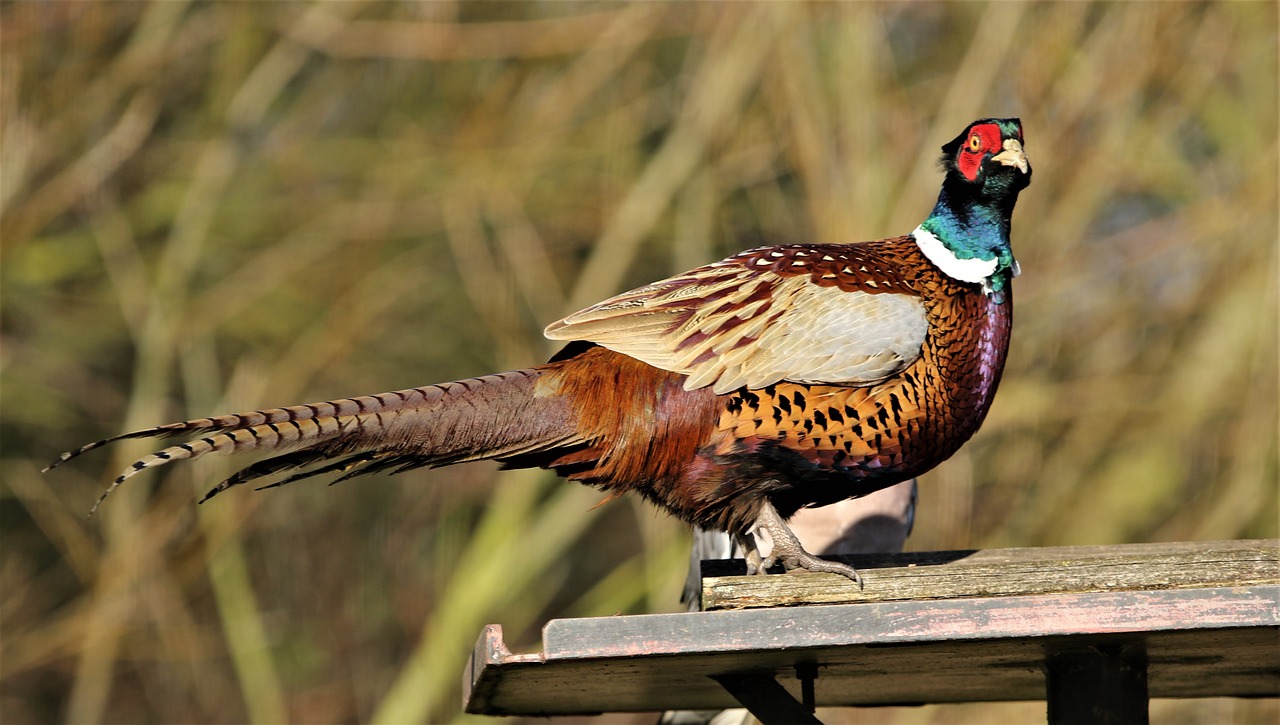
967,234
988,160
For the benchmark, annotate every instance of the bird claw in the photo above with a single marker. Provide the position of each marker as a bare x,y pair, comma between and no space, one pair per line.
788,551
805,561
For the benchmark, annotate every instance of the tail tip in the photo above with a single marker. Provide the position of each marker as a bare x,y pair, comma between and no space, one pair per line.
98,503
114,485
62,458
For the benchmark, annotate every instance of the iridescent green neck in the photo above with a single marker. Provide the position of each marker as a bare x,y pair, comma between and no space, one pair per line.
971,229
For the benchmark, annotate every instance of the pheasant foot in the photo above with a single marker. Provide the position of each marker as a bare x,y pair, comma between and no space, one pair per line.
788,551
755,563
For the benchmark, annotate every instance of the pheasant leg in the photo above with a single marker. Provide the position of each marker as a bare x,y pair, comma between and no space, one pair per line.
747,542
788,551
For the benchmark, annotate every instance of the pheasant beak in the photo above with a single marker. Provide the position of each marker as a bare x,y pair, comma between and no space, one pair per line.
1012,155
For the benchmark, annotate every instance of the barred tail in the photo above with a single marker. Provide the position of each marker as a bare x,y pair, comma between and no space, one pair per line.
494,416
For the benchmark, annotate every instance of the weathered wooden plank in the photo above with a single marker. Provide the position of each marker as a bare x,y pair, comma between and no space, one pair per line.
906,622
1199,642
1224,663
1002,572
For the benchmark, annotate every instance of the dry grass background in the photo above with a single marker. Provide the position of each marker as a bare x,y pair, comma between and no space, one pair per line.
216,206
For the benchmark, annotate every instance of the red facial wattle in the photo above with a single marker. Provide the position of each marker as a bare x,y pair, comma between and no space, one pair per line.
981,140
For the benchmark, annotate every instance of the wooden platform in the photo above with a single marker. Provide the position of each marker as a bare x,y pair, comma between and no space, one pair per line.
1177,620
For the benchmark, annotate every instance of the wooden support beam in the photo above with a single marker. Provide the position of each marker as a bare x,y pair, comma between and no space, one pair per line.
1104,685
767,700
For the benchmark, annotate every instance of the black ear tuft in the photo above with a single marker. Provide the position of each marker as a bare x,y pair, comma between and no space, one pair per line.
949,149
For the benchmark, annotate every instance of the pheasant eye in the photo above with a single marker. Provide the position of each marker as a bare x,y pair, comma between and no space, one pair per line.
975,143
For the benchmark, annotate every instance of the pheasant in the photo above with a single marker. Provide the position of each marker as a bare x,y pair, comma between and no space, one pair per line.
731,395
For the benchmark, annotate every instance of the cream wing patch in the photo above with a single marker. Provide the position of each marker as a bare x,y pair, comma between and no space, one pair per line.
728,326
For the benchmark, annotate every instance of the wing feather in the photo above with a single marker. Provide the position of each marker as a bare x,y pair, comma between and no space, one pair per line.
740,323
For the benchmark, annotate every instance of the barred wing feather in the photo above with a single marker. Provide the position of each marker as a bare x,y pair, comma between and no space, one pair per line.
734,324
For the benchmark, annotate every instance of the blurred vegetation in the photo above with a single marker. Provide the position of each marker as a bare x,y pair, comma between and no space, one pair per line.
209,207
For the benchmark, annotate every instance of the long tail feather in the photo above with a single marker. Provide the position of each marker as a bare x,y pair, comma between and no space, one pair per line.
345,464
490,417
297,459
331,408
